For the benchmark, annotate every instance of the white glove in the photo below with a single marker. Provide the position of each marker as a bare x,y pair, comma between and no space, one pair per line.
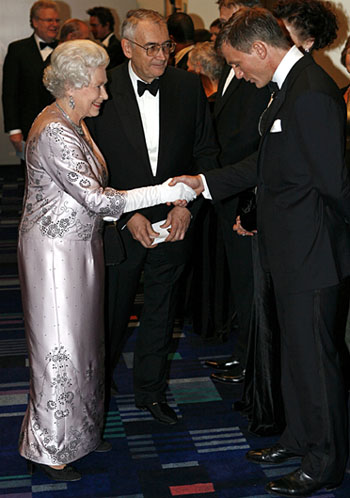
143,197
180,191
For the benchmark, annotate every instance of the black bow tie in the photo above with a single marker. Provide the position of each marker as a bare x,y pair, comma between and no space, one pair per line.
52,45
151,87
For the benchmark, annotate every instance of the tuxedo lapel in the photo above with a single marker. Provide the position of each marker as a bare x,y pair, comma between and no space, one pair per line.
125,104
278,101
231,89
167,111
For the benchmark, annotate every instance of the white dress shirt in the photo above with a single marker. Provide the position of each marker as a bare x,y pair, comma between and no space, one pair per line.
149,110
229,78
45,52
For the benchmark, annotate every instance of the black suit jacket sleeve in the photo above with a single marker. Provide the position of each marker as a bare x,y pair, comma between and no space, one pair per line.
232,179
11,91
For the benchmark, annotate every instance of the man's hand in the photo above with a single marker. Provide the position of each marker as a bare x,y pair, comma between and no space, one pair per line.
141,230
16,141
179,218
237,227
194,182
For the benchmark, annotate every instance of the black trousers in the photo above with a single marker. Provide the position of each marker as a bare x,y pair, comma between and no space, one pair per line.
156,321
312,383
240,263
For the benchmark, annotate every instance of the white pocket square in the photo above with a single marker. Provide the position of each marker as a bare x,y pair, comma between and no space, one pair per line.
276,127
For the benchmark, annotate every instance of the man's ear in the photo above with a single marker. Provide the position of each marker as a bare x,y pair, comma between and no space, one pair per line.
260,49
126,46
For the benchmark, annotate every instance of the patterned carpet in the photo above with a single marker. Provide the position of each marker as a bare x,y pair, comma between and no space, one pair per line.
201,456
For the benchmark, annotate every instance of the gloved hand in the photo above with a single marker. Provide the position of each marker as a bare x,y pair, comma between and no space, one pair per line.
143,197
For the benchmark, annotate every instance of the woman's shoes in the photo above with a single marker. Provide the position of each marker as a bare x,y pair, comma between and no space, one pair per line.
68,473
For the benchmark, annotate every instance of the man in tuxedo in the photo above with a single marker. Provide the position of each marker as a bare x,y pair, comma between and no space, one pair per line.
181,31
303,209
237,110
156,124
102,27
23,92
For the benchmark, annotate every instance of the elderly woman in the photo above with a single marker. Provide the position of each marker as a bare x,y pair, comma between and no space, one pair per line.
204,61
61,265
312,24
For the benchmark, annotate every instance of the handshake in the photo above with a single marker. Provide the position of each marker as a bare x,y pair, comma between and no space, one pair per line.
179,194
179,191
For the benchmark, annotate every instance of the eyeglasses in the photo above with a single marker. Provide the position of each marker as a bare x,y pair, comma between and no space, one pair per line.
50,20
153,49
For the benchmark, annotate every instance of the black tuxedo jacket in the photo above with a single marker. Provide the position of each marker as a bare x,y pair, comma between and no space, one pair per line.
24,94
186,143
236,117
303,186
115,52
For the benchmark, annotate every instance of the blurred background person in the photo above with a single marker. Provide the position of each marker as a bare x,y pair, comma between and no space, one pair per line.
181,31
74,29
214,29
61,267
201,35
102,28
312,24
204,61
23,92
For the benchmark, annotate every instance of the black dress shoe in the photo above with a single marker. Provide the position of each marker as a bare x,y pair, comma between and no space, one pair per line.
274,454
227,378
297,484
103,447
68,473
228,364
161,412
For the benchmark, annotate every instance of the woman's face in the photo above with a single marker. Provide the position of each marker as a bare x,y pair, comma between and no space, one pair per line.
88,99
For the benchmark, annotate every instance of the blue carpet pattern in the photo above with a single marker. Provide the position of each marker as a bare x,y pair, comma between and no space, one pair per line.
202,456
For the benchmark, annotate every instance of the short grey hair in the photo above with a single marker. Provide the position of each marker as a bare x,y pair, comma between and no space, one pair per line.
205,54
41,4
133,17
71,65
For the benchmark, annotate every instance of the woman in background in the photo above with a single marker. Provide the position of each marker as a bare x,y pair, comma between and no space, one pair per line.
204,61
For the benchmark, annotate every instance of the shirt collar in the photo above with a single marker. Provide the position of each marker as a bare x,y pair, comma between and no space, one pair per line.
286,64
134,77
38,40
105,41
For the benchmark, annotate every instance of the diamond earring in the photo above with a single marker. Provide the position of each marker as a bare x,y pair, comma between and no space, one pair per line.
71,102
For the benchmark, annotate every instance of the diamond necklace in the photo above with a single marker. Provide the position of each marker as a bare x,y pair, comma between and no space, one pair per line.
78,129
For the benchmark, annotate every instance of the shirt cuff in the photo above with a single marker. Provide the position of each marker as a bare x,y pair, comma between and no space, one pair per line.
206,193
